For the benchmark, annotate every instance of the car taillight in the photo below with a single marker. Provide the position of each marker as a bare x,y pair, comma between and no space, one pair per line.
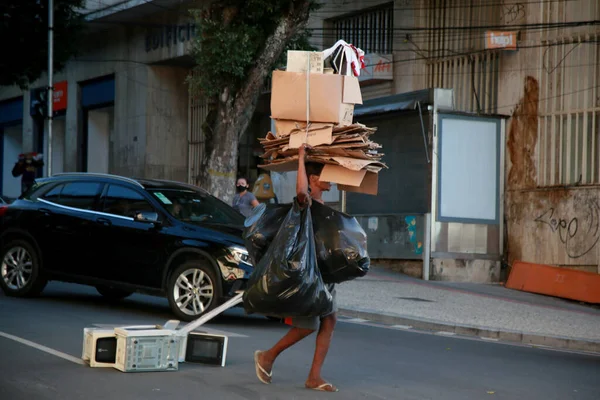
3,210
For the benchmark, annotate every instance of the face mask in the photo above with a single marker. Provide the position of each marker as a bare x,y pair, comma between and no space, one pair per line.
240,188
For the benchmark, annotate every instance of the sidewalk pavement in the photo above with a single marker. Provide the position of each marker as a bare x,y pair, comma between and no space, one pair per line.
492,312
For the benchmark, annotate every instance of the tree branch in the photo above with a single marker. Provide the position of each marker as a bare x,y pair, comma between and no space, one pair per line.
288,26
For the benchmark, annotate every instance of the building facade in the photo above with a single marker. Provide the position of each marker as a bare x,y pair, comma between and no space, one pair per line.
125,108
123,102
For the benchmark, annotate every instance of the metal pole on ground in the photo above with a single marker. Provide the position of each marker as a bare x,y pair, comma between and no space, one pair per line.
427,247
50,98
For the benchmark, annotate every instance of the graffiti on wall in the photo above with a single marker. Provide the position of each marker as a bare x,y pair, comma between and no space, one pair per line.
512,12
411,226
579,233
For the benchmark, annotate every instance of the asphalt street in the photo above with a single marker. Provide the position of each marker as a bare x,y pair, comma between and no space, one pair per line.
365,362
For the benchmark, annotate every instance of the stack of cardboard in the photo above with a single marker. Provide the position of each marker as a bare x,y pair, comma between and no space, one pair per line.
317,108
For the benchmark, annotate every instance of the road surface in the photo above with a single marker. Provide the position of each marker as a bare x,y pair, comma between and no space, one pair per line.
41,343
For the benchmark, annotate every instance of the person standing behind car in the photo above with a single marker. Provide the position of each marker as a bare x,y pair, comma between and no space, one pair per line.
244,201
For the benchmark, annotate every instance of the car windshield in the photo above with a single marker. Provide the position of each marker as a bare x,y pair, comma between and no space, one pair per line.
197,207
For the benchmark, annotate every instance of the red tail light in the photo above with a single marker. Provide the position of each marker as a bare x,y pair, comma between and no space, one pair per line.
3,210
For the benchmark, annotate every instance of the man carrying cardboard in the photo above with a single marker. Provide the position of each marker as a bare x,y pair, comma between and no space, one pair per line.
308,188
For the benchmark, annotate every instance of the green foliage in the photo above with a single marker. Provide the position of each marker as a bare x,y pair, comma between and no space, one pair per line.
231,34
24,33
300,42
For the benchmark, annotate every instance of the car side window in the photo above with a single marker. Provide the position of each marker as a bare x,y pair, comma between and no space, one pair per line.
125,202
53,195
82,195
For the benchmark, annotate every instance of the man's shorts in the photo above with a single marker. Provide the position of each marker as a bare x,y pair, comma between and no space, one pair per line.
313,323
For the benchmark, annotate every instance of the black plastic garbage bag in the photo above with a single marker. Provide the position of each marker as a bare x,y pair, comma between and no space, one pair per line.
341,245
340,241
286,282
262,226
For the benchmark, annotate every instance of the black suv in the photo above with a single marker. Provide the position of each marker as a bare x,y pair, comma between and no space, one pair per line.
122,236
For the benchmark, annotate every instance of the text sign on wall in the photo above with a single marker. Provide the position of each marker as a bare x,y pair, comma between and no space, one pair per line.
378,67
168,35
59,96
501,40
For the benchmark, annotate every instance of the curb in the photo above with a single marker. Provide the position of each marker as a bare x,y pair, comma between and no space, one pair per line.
556,342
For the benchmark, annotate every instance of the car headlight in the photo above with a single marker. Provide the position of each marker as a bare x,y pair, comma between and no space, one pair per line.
240,254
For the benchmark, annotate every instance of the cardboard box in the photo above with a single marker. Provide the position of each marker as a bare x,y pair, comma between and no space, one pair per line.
332,97
297,61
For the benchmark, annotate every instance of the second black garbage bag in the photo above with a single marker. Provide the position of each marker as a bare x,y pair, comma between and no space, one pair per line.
286,281
341,245
340,241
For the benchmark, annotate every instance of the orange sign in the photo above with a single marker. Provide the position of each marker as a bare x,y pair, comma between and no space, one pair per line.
501,40
59,101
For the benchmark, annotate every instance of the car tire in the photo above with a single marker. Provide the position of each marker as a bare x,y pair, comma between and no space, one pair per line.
195,295
113,294
20,274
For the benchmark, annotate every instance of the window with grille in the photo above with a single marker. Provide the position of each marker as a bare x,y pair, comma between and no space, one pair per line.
568,146
569,115
370,30
455,53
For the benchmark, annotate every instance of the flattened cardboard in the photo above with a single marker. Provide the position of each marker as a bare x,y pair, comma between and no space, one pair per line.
361,181
342,176
354,164
297,61
369,185
327,94
286,128
315,137
291,163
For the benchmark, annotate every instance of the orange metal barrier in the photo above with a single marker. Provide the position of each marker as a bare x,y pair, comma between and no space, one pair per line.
555,281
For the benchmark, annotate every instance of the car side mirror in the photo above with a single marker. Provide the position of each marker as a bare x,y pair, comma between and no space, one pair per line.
147,216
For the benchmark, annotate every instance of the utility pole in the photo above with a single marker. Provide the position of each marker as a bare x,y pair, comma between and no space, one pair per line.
50,88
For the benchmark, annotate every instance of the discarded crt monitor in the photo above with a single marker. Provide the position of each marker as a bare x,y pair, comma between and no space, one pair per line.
340,241
286,281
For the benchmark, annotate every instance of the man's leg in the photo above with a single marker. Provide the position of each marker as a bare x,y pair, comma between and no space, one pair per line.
323,342
302,327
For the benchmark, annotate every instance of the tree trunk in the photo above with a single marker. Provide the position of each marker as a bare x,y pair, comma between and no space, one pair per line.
233,114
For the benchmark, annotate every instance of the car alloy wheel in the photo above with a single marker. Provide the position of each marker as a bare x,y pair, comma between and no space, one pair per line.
193,291
17,268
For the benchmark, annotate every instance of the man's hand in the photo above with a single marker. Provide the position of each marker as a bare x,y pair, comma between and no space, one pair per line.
302,150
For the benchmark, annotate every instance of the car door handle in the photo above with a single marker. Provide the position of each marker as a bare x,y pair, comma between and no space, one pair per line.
45,211
104,221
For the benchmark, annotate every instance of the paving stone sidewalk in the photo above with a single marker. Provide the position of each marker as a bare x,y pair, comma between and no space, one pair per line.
489,311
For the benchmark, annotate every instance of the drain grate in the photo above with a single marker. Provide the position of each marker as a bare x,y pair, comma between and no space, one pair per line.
415,299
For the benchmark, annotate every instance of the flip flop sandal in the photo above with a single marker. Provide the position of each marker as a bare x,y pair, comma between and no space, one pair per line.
259,369
322,388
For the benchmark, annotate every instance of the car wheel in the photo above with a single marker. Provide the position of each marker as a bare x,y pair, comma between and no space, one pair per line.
20,273
112,293
193,290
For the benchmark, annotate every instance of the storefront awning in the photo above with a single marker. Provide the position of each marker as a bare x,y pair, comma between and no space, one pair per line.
397,102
